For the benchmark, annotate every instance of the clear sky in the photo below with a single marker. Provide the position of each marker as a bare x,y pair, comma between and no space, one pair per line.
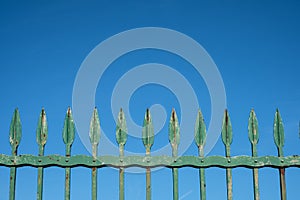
255,46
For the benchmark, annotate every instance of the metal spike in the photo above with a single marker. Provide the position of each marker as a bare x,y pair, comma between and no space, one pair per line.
42,129
226,129
68,130
253,133
174,130
15,131
121,130
278,130
200,130
148,131
95,128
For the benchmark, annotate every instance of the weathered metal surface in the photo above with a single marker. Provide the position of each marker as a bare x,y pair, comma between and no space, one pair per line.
121,136
41,138
279,141
174,137
152,162
227,140
253,137
15,133
94,138
148,162
68,137
200,138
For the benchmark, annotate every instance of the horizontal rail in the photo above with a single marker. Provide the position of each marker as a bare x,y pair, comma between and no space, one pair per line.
150,161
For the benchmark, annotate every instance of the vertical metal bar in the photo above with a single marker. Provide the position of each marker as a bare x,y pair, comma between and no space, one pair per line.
121,174
40,177
12,184
175,183
15,133
175,176
148,178
255,176
94,175
121,136
282,178
279,141
227,140
67,176
41,138
202,177
68,138
200,139
228,176
253,135
121,183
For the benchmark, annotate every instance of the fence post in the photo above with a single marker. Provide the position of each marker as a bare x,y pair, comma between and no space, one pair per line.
227,140
41,138
68,137
200,138
174,138
279,141
94,138
121,136
15,133
253,137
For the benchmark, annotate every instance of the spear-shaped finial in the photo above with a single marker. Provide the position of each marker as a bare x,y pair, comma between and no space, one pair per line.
174,132
253,128
68,131
200,133
95,131
278,132
42,132
15,131
227,132
148,132
121,130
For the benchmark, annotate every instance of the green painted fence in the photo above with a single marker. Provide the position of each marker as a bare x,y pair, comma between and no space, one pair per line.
94,162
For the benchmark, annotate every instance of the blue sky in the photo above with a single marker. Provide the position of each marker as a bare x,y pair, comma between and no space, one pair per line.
254,44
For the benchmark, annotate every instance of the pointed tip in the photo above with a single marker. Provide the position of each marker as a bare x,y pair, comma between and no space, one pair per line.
147,115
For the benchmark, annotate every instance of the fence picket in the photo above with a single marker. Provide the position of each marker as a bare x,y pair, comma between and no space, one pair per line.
279,141
253,137
148,140
227,140
94,138
15,133
41,138
174,138
121,137
200,138
68,137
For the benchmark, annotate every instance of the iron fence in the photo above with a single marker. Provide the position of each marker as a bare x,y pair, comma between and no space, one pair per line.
94,162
